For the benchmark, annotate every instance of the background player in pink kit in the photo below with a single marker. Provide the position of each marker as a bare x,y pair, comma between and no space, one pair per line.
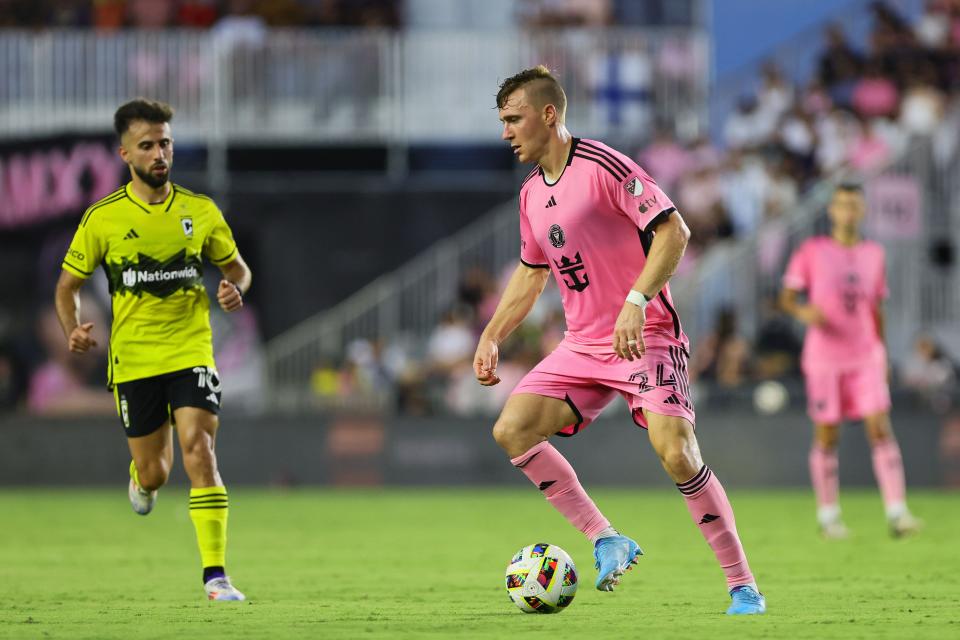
844,359
612,239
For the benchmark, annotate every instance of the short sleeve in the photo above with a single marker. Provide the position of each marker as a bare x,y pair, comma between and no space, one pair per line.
530,252
639,197
219,246
797,276
86,251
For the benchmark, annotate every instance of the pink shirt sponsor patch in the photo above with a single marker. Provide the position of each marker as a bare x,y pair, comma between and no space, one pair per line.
592,228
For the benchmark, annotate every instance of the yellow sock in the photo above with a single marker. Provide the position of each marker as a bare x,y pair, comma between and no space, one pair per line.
208,510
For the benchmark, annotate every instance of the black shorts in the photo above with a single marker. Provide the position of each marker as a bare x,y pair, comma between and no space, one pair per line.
145,404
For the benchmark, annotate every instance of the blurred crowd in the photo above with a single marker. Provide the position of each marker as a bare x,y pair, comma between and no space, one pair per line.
857,112
207,14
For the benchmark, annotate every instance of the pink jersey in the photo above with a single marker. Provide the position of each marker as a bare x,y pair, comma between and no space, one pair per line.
847,284
593,228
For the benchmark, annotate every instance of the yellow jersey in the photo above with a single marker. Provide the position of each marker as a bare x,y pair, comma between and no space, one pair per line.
152,256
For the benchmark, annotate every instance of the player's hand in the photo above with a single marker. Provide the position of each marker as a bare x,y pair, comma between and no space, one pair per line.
80,339
811,315
485,362
628,332
228,295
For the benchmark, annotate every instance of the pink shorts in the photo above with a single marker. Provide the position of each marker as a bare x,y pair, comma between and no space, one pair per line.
588,382
834,395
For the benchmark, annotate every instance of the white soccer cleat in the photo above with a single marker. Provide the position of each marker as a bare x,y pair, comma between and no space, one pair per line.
834,530
905,525
141,500
221,589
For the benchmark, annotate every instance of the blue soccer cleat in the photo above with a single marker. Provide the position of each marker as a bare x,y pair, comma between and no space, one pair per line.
746,601
614,555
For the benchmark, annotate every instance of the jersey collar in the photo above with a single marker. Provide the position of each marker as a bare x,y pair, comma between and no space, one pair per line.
573,147
150,208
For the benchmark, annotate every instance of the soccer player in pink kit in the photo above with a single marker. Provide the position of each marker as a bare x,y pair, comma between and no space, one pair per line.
612,239
844,359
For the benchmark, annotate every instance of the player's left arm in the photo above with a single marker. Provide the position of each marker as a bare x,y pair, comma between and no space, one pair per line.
666,250
235,284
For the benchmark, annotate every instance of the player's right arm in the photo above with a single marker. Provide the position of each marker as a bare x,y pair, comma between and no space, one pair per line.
84,255
525,286
67,301
808,314
797,279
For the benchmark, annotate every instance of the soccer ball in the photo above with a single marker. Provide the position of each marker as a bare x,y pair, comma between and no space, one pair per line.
541,578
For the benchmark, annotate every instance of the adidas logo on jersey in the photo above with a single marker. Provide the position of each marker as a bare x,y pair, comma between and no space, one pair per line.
552,202
131,235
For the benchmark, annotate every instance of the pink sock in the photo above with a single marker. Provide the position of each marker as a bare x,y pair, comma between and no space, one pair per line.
888,467
554,476
823,474
710,509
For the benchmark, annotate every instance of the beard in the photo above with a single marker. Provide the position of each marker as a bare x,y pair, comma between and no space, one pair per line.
151,178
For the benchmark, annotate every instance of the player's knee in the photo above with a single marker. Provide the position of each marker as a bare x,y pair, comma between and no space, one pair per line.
678,462
827,438
511,433
153,474
198,455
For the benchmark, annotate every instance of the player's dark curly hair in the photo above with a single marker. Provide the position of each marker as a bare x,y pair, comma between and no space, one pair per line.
152,111
542,89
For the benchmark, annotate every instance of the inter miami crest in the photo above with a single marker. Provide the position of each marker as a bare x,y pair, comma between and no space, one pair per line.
557,238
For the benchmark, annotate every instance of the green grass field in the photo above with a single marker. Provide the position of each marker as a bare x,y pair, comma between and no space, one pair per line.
430,564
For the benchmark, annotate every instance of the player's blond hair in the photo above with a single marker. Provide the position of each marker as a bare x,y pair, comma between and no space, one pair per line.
541,86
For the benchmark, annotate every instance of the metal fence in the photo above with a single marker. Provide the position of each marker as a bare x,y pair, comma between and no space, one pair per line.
346,86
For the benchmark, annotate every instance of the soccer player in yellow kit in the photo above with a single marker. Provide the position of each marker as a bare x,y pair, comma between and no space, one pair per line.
150,237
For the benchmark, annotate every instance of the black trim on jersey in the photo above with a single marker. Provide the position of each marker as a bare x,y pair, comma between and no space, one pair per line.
617,170
136,203
659,218
172,198
617,161
600,162
673,314
187,192
534,266
573,148
530,175
101,203
576,412
232,251
75,268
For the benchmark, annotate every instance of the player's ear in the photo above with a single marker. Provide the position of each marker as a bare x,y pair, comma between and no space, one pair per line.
549,115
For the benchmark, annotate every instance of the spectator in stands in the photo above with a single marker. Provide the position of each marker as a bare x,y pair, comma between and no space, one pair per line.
839,63
64,384
452,342
869,151
875,94
723,355
665,159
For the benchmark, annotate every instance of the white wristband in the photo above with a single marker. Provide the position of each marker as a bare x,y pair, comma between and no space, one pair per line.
637,298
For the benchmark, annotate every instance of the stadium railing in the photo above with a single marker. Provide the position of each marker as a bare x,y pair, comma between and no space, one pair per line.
348,86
